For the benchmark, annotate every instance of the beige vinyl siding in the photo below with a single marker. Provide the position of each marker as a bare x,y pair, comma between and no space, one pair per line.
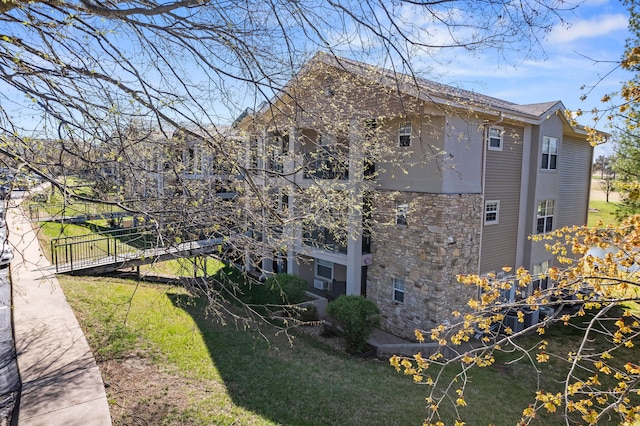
503,174
413,168
574,167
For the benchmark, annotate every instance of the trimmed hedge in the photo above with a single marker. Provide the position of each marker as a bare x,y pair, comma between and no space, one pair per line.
357,317
286,288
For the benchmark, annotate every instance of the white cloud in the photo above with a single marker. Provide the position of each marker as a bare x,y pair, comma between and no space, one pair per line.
597,26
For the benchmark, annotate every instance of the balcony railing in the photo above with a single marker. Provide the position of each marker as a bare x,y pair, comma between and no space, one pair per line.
324,165
275,165
322,239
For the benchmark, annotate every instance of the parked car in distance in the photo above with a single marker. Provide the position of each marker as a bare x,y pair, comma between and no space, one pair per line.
5,190
6,256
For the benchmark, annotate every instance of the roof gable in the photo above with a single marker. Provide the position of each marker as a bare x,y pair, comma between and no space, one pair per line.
437,92
432,91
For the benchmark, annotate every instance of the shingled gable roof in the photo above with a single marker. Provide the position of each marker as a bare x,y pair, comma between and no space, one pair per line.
432,91
437,92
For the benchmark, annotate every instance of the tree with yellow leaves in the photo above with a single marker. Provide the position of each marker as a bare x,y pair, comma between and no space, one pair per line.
596,290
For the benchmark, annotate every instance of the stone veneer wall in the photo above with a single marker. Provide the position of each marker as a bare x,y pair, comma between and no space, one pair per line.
441,240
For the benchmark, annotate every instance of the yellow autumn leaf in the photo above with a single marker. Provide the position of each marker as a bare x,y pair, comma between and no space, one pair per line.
542,357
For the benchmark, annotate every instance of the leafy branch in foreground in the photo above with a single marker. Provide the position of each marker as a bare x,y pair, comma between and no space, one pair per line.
594,291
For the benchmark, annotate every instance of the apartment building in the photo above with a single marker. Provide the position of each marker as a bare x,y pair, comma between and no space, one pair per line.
393,185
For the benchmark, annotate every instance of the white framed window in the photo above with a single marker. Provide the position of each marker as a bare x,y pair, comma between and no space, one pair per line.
404,135
494,138
324,269
491,212
398,290
545,217
549,153
402,208
540,279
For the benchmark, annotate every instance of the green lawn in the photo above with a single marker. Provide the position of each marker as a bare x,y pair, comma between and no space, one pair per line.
51,230
184,267
256,381
51,203
271,382
601,211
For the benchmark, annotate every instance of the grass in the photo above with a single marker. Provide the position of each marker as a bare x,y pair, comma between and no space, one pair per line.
184,267
52,203
601,211
51,230
270,382
257,381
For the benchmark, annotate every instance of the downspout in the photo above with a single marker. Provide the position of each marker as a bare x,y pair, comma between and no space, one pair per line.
485,141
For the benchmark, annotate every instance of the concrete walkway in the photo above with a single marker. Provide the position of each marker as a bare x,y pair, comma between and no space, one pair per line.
61,383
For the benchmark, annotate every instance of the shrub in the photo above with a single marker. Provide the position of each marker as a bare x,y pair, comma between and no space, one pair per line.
286,288
357,316
309,313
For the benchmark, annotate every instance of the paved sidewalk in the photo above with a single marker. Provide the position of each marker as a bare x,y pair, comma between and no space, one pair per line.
61,383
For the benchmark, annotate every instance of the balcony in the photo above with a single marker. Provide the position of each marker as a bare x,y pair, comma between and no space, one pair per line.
275,165
322,239
325,165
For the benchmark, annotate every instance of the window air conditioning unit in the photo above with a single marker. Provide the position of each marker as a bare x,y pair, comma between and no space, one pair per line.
511,320
320,284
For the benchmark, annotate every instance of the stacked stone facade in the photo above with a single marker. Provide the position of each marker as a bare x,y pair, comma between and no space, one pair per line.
440,241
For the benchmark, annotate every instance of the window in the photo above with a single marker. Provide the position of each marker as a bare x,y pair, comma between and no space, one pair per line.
281,142
404,135
253,147
324,269
495,138
540,279
401,212
491,212
545,216
549,153
398,290
370,128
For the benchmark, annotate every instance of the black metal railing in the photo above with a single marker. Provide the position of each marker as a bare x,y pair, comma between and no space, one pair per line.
77,252
324,239
325,165
121,245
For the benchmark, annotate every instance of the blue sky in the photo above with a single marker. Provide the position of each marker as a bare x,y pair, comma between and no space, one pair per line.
575,55
578,54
